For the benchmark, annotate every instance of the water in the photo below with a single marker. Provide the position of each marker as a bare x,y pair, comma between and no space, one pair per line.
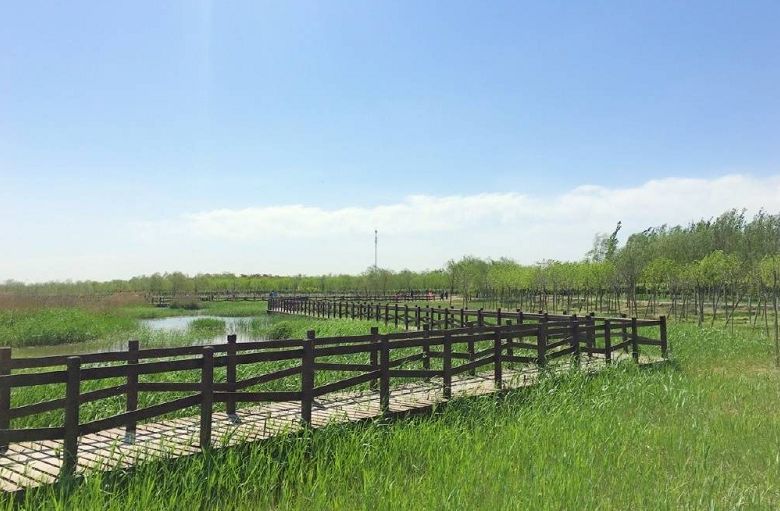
233,325
154,333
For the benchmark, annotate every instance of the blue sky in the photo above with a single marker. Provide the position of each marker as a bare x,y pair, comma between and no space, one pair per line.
121,122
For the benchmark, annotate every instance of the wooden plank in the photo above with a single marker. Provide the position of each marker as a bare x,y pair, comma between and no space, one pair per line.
414,373
268,377
31,379
346,383
140,414
257,397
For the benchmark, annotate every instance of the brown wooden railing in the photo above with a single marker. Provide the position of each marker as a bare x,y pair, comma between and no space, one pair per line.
464,347
416,316
165,299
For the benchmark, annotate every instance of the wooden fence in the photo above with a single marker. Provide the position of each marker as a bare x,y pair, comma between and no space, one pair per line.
459,349
416,317
166,299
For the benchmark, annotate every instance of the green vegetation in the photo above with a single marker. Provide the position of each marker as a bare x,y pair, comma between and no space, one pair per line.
39,326
59,326
204,329
727,268
295,327
703,432
210,326
700,432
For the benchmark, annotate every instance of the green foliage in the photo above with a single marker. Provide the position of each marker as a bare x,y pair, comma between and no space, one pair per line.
701,433
58,326
714,264
210,326
186,303
280,330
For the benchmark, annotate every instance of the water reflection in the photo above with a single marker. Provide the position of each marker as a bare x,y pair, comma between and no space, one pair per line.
158,333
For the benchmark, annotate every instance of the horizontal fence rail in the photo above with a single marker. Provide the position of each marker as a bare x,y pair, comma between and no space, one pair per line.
469,340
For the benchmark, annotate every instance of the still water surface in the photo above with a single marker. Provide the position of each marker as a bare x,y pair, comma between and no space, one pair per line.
162,331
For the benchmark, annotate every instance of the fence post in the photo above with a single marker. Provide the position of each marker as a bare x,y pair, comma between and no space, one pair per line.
417,317
406,316
541,344
634,340
207,397
462,318
395,314
509,350
591,334
480,318
575,338
384,375
230,375
5,393
498,316
446,318
132,389
664,339
71,436
374,355
624,333
447,366
470,349
607,342
426,348
307,378
497,370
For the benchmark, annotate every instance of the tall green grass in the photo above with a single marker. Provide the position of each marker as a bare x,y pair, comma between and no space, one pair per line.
296,327
58,326
207,326
44,326
701,433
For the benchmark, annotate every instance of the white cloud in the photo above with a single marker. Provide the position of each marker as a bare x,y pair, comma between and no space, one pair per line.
423,231
585,208
419,231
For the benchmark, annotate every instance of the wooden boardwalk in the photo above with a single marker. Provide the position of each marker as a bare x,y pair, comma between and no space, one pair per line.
29,464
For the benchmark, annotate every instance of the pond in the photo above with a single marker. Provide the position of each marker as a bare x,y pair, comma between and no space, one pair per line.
182,323
158,333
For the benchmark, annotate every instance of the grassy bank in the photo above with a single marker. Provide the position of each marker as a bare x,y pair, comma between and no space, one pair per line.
59,326
703,432
49,326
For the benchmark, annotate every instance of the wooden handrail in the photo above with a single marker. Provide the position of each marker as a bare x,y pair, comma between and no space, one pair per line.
540,338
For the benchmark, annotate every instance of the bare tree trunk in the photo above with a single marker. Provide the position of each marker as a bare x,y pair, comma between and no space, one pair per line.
777,328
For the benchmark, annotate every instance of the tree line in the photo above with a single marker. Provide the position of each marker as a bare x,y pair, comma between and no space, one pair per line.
719,268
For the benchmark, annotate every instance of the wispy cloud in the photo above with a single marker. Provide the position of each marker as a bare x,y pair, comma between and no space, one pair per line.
584,209
419,231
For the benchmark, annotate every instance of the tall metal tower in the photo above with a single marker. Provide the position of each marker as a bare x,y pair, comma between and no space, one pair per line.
376,239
